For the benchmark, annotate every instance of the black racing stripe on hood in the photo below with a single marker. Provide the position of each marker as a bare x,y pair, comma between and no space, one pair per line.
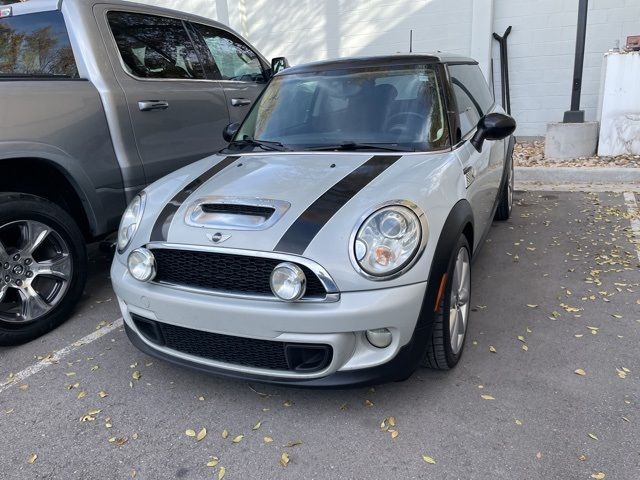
161,227
300,234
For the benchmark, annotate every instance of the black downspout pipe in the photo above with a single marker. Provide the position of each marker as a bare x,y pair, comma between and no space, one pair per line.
575,115
504,68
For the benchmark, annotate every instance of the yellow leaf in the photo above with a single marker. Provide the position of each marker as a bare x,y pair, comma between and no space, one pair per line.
580,371
531,305
82,394
212,462
190,433
136,375
392,421
521,338
525,348
288,403
428,459
284,459
368,403
578,335
238,439
394,434
592,436
487,397
257,425
598,476
32,458
268,439
24,387
221,473
70,374
518,422
201,434
492,349
103,394
225,433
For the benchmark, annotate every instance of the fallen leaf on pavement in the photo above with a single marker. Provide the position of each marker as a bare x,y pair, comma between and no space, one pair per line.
592,436
201,434
268,439
487,397
428,459
284,459
213,461
221,473
238,439
257,425
580,371
32,458
492,349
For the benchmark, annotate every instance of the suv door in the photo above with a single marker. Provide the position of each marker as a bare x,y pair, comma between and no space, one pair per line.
483,169
242,74
177,112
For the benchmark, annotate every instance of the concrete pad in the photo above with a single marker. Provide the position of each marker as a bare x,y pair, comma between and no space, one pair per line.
571,140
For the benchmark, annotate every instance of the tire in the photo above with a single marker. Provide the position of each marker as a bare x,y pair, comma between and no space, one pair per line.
441,354
505,204
43,267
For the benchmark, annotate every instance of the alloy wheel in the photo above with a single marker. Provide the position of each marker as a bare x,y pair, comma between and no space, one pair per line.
459,302
35,270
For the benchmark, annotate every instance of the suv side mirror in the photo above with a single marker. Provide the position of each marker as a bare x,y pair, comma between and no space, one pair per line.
278,64
493,126
230,131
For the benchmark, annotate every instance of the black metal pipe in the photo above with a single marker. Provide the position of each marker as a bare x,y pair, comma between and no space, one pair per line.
575,115
504,68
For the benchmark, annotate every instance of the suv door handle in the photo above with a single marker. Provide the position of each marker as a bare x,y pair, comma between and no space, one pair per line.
240,102
148,105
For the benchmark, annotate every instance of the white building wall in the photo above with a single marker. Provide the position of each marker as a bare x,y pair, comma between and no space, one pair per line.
541,45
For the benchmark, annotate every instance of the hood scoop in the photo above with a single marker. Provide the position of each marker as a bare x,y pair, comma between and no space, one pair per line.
235,213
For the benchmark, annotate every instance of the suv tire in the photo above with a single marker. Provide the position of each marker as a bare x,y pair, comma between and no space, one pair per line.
506,194
43,267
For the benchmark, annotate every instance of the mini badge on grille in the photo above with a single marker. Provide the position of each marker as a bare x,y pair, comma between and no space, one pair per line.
218,237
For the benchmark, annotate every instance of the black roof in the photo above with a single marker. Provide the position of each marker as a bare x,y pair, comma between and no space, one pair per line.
378,61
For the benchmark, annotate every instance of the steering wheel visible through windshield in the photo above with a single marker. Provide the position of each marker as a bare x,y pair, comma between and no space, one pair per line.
395,108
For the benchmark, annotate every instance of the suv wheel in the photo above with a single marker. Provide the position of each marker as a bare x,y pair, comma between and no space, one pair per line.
43,267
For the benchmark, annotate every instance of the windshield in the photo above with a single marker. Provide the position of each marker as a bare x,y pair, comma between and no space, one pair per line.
373,108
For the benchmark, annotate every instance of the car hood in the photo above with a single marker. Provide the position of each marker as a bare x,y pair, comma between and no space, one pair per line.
327,195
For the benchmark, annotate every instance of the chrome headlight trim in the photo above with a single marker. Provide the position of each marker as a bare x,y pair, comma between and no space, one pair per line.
137,219
424,236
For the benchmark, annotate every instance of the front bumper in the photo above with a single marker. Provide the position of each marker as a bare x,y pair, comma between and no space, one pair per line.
341,325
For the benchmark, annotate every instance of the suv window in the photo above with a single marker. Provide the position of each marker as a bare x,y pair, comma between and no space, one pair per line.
233,59
36,45
154,47
472,93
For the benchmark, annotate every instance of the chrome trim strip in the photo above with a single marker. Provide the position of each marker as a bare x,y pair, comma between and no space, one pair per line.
196,217
424,236
333,294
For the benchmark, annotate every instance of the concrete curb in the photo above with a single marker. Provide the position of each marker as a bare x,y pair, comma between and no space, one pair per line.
575,175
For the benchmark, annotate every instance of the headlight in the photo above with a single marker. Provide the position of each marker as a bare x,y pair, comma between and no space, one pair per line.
142,265
288,282
130,221
389,240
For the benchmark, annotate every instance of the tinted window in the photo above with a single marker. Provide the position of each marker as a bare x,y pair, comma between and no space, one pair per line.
36,45
233,59
472,93
154,47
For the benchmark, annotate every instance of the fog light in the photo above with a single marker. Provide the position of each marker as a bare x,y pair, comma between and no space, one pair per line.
288,282
142,265
379,337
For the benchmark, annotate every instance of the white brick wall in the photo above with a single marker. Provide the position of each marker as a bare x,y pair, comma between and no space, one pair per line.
541,45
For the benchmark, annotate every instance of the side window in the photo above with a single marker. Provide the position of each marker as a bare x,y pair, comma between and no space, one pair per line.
233,59
154,47
36,45
472,93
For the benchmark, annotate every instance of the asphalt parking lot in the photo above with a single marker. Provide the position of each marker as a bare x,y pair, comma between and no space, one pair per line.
556,290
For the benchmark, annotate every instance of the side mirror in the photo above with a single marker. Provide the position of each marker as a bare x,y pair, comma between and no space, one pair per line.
278,64
493,126
230,131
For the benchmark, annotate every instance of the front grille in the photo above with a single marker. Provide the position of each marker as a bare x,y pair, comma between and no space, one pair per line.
224,272
236,209
249,352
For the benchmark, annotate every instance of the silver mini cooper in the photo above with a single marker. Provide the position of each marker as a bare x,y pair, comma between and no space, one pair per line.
330,244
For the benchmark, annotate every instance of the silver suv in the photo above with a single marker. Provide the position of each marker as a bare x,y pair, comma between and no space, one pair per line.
99,99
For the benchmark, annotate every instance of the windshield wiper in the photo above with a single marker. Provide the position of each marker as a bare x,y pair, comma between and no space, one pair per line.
361,146
264,144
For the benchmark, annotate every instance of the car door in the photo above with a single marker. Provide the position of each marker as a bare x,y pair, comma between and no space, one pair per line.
242,73
177,113
483,170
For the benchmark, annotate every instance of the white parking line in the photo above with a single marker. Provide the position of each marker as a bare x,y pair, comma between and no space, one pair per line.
59,355
634,212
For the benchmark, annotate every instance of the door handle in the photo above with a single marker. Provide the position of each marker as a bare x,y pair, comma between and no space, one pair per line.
148,105
240,102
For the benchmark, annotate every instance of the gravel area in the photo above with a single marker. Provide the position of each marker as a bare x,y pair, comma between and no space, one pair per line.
531,154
